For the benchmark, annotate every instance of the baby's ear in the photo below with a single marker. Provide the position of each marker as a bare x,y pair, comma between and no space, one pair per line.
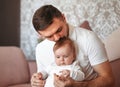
86,25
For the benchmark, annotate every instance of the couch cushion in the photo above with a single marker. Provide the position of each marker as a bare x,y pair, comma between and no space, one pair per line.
32,67
112,45
21,85
86,25
13,66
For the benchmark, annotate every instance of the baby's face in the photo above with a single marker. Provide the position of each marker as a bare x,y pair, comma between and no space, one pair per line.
64,56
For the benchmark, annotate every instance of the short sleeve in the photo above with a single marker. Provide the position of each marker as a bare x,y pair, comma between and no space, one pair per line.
95,49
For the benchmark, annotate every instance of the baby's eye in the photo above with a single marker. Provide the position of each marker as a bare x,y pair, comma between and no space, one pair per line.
57,57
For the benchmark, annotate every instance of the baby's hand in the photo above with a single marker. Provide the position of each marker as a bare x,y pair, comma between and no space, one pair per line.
65,73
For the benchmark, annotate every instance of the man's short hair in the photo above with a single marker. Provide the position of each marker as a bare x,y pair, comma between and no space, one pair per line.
43,17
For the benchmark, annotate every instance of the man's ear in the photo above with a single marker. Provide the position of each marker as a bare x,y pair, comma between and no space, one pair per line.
86,25
63,16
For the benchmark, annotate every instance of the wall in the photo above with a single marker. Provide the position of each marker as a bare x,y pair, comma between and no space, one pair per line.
9,22
103,16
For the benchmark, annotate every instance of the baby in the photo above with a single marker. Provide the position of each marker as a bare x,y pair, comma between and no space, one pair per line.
65,63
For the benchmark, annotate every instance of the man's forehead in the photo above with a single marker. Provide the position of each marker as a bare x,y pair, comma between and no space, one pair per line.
52,28
49,32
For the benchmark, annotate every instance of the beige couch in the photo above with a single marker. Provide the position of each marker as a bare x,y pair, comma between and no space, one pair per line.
16,71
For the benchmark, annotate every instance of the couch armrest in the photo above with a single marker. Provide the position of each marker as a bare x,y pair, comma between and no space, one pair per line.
14,68
32,66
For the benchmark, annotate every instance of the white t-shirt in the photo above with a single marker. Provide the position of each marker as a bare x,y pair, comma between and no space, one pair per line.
90,51
75,69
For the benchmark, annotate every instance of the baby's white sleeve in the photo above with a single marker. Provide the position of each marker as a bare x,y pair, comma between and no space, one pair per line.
76,72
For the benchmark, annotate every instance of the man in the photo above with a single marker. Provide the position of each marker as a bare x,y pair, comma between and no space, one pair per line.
51,24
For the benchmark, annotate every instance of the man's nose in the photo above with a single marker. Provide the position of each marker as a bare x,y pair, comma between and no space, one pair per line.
56,37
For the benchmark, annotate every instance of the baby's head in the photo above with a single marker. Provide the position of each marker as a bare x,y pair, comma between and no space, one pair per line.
64,51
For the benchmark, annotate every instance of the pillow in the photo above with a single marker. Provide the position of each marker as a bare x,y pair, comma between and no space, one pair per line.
112,45
86,25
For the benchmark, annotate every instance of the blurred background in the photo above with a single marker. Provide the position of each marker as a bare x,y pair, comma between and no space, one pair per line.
16,19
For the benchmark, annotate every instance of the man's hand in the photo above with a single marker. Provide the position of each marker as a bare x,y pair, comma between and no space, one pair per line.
37,81
61,81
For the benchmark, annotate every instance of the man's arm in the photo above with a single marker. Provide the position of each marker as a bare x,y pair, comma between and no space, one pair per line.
105,77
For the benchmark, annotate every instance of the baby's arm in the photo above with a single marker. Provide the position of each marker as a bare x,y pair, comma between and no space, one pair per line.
77,72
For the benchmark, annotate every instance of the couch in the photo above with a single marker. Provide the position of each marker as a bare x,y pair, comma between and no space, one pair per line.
16,71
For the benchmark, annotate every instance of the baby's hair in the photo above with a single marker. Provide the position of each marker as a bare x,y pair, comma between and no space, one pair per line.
64,41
